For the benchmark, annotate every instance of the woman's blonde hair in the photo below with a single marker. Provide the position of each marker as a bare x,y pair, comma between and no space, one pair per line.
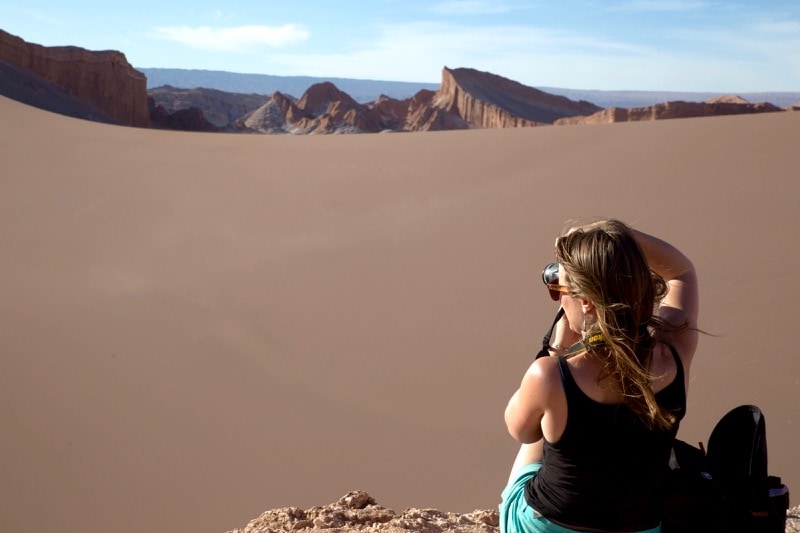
603,262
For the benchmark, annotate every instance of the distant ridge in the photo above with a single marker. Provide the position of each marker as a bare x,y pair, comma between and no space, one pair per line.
369,90
265,84
647,98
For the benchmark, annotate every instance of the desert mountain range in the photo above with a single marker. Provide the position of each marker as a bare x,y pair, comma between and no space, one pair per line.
361,90
366,91
103,86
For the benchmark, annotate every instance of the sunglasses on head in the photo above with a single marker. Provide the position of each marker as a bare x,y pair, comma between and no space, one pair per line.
550,278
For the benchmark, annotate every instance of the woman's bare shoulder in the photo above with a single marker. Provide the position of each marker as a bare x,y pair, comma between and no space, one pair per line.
546,375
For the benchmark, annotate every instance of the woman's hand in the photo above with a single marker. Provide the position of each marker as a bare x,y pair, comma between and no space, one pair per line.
563,337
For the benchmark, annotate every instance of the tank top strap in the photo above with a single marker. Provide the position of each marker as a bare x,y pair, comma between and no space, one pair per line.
567,381
679,375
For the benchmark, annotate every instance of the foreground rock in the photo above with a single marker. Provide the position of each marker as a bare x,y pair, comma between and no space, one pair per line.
358,511
793,520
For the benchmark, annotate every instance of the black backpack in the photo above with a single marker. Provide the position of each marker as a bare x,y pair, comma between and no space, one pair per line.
728,487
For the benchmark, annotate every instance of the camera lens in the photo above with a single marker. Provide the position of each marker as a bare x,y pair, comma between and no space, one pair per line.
550,274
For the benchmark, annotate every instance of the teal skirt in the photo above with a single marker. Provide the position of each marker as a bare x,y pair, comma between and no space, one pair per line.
516,516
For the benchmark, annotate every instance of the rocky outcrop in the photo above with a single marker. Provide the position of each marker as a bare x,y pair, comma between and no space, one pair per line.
191,119
358,511
24,86
727,99
105,78
389,112
325,98
322,109
725,105
275,116
220,108
326,109
426,114
485,100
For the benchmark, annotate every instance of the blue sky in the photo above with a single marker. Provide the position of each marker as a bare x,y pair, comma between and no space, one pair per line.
681,45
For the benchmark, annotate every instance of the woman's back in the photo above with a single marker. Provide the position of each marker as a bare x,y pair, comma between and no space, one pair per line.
604,470
587,373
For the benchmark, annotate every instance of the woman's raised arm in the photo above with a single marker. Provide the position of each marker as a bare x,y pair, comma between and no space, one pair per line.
682,302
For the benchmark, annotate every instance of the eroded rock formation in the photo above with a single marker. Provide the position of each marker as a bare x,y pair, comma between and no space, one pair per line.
485,100
219,107
31,89
426,114
104,78
723,105
189,119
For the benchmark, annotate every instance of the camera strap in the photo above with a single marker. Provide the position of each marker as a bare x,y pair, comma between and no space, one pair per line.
545,351
593,341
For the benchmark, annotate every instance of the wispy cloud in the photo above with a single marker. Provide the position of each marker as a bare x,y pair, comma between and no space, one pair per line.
652,6
765,42
493,40
778,28
235,39
504,50
42,16
539,56
469,7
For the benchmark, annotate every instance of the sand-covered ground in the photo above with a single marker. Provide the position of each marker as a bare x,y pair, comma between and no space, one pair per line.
195,328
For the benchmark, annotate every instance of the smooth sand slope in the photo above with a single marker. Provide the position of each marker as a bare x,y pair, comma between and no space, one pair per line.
195,328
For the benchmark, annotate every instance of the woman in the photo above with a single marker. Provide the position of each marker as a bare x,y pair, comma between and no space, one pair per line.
596,421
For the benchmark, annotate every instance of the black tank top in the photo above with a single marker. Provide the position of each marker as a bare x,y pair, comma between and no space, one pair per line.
606,471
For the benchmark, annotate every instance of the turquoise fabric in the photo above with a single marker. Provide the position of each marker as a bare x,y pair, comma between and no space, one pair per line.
516,516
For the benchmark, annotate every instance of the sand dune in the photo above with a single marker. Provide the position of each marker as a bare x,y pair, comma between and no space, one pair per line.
199,327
